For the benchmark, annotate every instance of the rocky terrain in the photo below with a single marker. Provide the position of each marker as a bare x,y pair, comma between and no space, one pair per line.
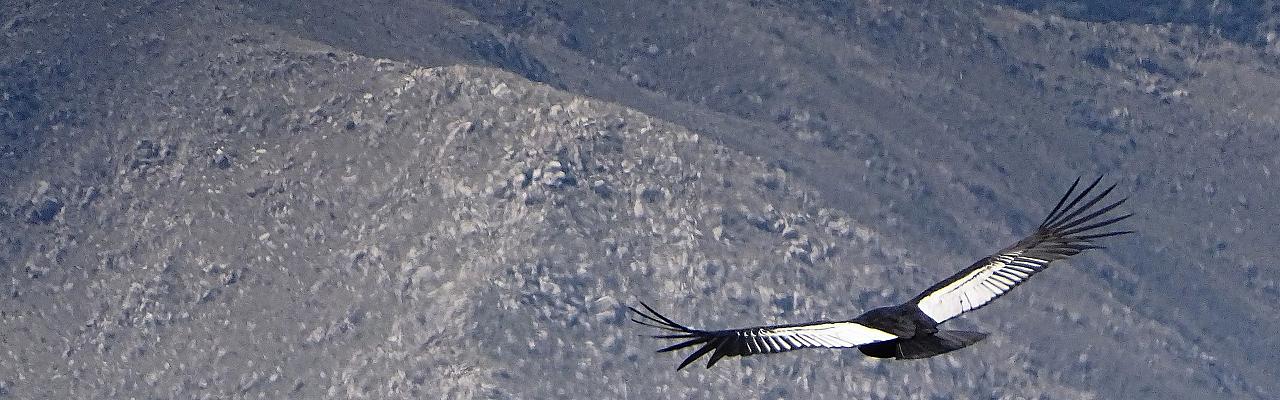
403,199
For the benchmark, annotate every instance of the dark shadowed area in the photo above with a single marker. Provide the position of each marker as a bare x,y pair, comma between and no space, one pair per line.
457,199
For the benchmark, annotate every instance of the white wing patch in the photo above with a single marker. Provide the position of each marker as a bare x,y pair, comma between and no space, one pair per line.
757,340
1001,273
831,334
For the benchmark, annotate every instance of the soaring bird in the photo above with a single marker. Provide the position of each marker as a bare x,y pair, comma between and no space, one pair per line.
910,330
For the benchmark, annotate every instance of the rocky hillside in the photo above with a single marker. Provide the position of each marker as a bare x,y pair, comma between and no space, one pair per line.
456,199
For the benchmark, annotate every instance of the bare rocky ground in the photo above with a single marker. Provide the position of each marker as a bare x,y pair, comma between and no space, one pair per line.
455,200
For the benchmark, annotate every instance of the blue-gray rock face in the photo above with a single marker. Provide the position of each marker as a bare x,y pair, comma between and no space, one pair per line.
456,200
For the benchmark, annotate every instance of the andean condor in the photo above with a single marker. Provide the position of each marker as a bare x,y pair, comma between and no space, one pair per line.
910,330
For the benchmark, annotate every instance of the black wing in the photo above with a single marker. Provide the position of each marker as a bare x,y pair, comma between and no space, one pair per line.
1065,232
761,339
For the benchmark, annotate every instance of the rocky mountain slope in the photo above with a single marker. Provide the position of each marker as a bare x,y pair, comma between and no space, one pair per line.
355,200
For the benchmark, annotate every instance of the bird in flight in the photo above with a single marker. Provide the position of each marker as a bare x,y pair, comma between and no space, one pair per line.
910,330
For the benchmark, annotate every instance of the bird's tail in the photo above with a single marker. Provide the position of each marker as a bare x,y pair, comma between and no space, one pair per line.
923,347
938,343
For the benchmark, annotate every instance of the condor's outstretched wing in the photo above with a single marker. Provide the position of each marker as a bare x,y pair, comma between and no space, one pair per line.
1067,231
761,339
